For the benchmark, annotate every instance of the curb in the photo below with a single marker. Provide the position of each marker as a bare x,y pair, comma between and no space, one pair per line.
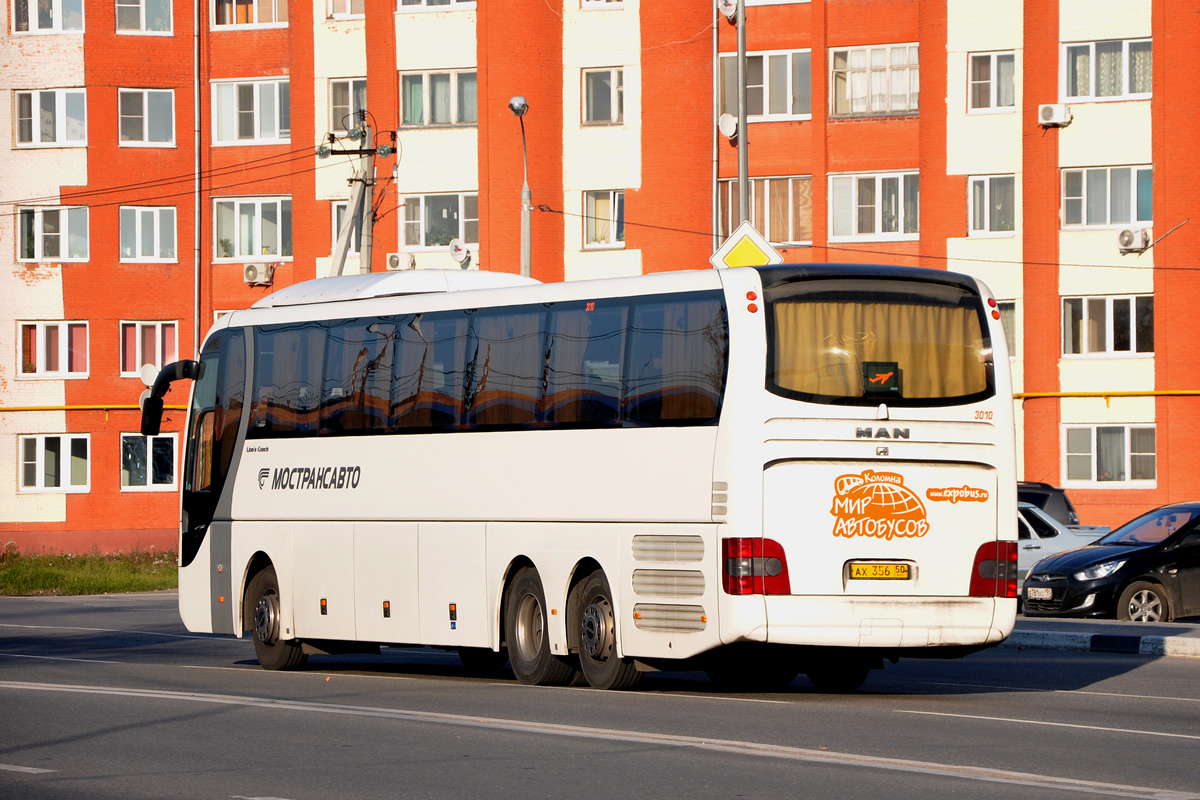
1105,643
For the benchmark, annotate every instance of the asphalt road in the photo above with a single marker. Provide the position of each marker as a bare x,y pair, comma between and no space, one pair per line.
109,697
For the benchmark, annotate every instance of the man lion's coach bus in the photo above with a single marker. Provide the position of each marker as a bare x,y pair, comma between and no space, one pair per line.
758,472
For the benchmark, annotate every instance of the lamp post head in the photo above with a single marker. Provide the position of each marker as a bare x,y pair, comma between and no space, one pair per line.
518,105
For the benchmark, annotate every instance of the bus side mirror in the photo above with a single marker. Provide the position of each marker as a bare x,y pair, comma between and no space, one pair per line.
152,408
152,402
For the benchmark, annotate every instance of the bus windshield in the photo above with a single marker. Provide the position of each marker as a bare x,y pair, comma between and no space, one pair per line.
844,341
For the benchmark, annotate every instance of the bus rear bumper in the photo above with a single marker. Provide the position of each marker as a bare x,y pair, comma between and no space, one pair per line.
889,622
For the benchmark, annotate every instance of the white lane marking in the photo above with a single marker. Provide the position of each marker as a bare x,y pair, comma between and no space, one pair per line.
57,658
1138,731
207,638
683,695
824,757
1057,691
31,770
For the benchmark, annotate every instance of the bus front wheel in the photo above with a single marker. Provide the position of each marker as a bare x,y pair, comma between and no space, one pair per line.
273,652
525,626
597,628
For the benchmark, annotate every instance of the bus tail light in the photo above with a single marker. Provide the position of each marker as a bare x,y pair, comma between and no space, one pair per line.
994,573
754,565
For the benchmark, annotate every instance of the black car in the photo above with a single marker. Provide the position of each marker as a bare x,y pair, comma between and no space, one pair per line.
1147,570
1051,499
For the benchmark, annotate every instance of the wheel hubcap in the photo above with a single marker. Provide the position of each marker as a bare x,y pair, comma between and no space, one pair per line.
531,625
1145,607
596,634
266,619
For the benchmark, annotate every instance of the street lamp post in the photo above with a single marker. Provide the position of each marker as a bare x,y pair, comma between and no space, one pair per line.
519,106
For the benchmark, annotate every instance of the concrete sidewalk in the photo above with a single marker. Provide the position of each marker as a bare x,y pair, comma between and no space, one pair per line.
1107,636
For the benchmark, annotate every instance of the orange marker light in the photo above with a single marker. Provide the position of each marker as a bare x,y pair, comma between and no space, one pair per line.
752,308
751,295
221,599
995,315
554,612
637,615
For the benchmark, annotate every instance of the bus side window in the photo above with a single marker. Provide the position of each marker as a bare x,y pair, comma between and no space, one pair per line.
584,376
427,384
287,379
508,366
356,385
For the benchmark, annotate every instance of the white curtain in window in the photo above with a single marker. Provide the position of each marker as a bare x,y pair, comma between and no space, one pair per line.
1110,454
1006,86
1079,71
439,98
1139,68
1108,69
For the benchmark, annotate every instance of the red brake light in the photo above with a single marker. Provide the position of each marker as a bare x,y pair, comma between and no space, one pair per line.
994,573
754,566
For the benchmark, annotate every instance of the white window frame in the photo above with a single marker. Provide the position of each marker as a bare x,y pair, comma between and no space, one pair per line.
993,83
1085,190
985,186
728,85
158,358
63,328
70,220
615,220
142,30
415,208
144,117
159,218
344,9
1089,305
616,95
284,240
150,485
837,182
338,208
866,71
62,126
427,104
421,6
761,217
39,464
356,99
599,5
58,18
774,2
1091,97
275,92
275,5
1077,457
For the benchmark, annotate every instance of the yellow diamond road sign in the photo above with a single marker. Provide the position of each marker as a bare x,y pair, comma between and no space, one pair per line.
745,248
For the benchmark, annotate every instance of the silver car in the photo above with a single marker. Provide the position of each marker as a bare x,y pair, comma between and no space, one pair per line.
1041,536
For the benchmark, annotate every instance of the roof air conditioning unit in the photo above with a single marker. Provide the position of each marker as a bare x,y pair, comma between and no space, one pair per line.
1054,115
399,261
1133,240
258,274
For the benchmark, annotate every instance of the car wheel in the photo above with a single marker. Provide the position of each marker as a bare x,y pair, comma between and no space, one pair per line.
1144,602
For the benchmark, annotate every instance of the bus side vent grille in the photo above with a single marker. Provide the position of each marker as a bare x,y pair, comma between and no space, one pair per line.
668,582
668,548
658,617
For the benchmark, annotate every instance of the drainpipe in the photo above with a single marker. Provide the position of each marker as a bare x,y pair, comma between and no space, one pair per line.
200,9
716,104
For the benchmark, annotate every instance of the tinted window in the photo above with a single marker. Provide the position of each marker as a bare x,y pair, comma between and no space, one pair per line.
584,378
287,379
506,368
356,389
676,364
427,385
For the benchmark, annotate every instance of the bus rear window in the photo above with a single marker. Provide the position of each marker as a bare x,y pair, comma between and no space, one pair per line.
847,341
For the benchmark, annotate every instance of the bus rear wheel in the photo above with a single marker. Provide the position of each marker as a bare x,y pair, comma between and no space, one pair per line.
597,628
525,627
273,652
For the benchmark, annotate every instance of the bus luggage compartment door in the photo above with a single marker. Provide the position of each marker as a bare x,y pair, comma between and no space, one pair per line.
879,528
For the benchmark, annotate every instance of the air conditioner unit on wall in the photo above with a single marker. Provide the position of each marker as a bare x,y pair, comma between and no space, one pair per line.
399,261
1054,115
1133,240
258,274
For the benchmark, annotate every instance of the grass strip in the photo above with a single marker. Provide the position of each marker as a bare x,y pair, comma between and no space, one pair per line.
68,574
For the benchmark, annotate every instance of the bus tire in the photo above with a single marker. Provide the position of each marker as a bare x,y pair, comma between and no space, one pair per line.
597,629
525,626
274,653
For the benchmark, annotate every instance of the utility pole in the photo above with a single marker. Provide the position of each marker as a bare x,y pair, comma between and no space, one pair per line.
743,145
362,194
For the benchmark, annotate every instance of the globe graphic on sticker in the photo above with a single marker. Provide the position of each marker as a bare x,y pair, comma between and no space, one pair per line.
889,500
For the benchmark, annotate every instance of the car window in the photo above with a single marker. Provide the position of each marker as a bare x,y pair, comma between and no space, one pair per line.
1151,528
1023,531
1043,528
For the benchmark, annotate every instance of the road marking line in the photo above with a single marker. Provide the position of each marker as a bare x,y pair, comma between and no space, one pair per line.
685,695
742,748
1055,691
58,658
208,638
1139,732
31,770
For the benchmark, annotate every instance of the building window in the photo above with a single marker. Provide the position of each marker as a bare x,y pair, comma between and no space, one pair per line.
346,9
878,206
47,16
436,5
147,117
253,228
604,219
875,80
1008,318
147,234
146,343
778,85
599,3
1114,70
148,16
1108,325
992,205
54,463
54,349
439,98
604,96
52,234
432,220
339,216
52,118
147,462
993,84
252,112
1110,453
780,208
1108,196
250,12
347,98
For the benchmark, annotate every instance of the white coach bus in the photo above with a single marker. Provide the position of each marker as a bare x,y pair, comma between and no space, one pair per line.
757,472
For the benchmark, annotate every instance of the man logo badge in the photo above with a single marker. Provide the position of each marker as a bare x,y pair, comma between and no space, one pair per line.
263,474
